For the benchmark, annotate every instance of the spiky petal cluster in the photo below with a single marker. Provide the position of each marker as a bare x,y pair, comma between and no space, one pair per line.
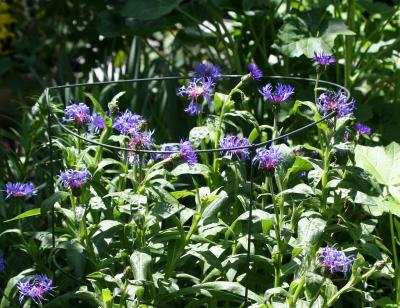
78,113
334,260
363,129
281,93
187,153
139,141
20,189
207,70
202,87
323,58
232,141
2,264
35,287
97,123
128,123
268,159
339,102
165,147
254,71
74,179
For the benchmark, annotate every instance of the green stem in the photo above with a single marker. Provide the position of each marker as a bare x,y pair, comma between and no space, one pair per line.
349,44
275,130
393,239
296,295
316,87
324,178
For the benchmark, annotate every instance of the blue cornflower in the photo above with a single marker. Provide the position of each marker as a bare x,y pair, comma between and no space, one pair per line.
363,129
339,102
255,72
314,153
139,141
322,58
334,260
20,189
268,159
2,264
35,287
207,70
197,87
97,123
281,93
187,153
128,123
232,141
74,179
165,147
78,113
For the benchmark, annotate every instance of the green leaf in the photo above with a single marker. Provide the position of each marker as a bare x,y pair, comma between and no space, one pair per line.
30,213
310,228
106,295
198,134
195,169
140,262
149,9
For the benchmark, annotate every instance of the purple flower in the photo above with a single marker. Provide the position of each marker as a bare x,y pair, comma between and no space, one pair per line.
35,287
339,102
198,87
139,141
322,58
268,159
166,148
187,153
128,123
255,72
334,260
281,93
363,129
207,70
314,153
232,141
20,189
74,179
2,264
97,123
78,113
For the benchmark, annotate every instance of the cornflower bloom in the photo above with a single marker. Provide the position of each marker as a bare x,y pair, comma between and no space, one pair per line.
198,87
35,287
2,264
339,102
78,113
334,260
281,93
128,123
207,70
74,179
363,129
97,123
165,147
20,189
322,58
139,141
268,159
232,141
187,153
254,71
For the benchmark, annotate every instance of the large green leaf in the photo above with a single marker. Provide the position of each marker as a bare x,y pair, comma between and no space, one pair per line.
309,228
30,213
140,262
381,162
149,9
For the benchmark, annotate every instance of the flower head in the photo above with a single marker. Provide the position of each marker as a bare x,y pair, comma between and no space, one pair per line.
139,141
232,141
128,123
322,58
187,153
363,129
334,260
207,70
2,264
268,159
165,147
97,123
281,93
255,72
202,87
20,189
339,102
35,287
78,113
74,179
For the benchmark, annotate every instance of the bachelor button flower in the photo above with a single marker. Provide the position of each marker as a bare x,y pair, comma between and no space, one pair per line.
97,123
20,189
363,129
339,102
74,179
281,93
322,58
78,113
232,141
35,287
207,70
268,159
166,148
139,141
334,260
198,87
187,153
2,264
255,72
128,123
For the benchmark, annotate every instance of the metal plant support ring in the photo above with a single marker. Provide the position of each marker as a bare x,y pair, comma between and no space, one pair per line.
251,147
